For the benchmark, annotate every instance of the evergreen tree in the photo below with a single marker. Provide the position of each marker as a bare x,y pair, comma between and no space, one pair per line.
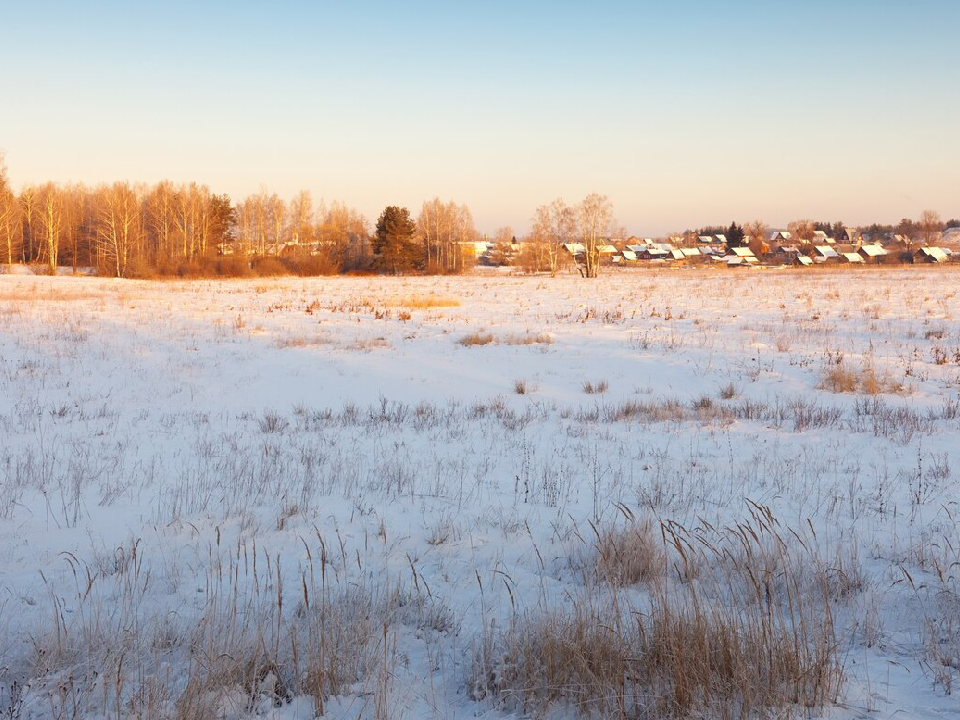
734,235
394,245
223,219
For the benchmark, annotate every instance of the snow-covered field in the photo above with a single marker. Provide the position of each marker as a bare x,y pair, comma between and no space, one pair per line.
366,496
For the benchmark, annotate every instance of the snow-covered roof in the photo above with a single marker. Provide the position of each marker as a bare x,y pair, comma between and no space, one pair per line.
742,252
705,239
873,250
677,254
826,251
853,257
574,248
804,260
690,252
629,254
934,252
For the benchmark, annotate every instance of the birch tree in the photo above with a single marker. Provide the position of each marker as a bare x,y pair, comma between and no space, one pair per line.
50,222
10,236
118,225
594,213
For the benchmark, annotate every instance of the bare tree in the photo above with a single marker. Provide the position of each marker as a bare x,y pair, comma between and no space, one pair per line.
443,227
9,216
28,204
343,235
50,222
301,217
277,213
595,213
159,212
757,230
554,225
802,229
930,225
118,225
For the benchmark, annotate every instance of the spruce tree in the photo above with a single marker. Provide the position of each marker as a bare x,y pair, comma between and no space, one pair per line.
394,246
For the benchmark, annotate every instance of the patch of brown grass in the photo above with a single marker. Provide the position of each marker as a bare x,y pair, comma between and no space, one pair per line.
416,302
528,339
745,633
476,338
301,341
628,555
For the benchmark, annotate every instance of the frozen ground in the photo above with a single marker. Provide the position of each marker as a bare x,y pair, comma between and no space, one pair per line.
191,474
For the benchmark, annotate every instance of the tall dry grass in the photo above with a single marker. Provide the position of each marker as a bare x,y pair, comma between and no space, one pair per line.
743,627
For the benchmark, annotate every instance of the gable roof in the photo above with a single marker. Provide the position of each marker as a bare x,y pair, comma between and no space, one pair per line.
873,250
935,253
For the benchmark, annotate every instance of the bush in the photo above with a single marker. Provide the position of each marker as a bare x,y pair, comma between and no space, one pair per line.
269,267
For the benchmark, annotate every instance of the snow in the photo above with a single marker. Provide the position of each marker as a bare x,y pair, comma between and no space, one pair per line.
180,426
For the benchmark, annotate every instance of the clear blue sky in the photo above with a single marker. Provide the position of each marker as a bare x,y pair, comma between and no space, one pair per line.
684,113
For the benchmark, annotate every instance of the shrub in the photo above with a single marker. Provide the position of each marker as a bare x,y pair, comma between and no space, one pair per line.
476,338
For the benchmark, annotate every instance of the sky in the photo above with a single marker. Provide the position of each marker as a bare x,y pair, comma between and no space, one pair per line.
683,113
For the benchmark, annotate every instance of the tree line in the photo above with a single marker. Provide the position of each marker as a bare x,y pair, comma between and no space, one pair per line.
137,230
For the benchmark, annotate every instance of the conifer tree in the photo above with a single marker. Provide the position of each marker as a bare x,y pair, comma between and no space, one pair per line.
394,246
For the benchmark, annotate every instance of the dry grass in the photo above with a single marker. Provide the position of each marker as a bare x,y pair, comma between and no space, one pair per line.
528,339
728,639
628,555
486,338
419,302
259,639
840,378
522,387
596,389
476,338
301,341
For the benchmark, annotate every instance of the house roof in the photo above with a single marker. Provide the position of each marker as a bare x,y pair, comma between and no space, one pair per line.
853,257
574,248
629,254
934,252
874,250
826,251
804,260
690,252
705,239
742,252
